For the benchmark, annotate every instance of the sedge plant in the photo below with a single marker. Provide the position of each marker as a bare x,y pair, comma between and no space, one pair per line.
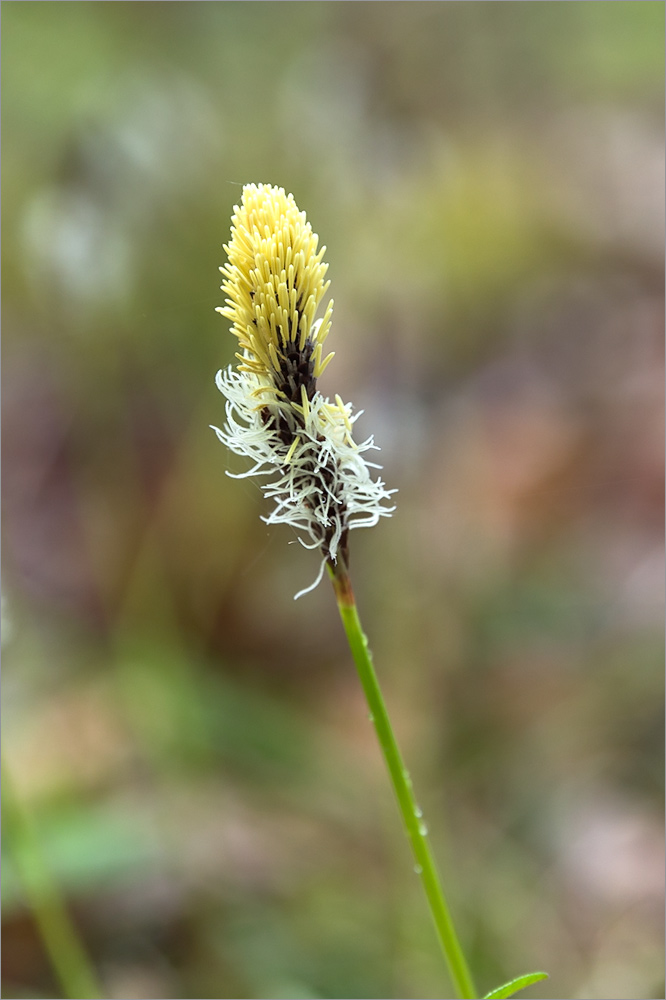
301,446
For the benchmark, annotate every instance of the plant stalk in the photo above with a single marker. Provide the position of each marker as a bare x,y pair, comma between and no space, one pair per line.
412,816
61,941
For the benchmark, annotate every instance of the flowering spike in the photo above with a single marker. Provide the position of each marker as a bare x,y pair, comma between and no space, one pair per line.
275,282
276,416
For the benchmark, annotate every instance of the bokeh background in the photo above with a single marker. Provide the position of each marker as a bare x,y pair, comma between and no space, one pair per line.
192,745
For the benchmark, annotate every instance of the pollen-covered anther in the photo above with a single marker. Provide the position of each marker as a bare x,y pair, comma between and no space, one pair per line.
275,282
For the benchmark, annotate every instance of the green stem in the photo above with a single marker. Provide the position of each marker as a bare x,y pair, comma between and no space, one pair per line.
58,933
412,816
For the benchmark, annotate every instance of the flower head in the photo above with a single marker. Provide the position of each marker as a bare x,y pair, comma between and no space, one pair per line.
275,282
300,441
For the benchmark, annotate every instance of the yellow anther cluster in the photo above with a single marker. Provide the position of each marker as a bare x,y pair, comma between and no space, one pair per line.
274,280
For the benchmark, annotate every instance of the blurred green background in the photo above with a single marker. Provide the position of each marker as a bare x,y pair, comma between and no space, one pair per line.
193,745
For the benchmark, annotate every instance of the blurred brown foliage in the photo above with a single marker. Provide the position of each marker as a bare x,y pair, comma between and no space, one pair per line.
488,179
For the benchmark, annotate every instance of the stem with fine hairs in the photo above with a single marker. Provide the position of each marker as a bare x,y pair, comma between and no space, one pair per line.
412,817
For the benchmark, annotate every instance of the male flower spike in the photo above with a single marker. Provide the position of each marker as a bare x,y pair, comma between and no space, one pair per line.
297,440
